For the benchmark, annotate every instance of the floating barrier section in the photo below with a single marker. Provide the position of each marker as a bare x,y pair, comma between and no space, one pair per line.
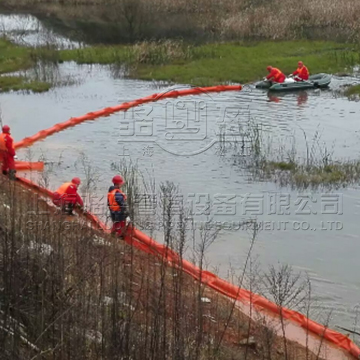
27,165
123,107
143,242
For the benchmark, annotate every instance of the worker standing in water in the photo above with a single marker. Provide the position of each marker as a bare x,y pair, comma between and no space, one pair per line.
275,74
118,206
301,73
67,197
7,153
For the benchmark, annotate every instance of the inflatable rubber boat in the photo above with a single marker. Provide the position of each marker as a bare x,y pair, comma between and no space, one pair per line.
315,82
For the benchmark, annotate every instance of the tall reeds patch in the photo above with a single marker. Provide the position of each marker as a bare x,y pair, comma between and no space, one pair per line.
208,20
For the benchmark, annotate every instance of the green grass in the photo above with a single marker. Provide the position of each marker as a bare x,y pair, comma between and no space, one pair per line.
352,91
183,63
16,83
14,58
219,63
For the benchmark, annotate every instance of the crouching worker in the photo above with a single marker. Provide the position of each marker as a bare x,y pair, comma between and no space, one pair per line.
67,197
274,75
7,153
118,206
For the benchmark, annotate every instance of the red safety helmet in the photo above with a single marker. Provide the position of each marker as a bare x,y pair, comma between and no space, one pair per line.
76,181
117,179
269,68
300,63
6,129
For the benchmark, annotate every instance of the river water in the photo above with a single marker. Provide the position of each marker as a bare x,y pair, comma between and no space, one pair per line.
314,231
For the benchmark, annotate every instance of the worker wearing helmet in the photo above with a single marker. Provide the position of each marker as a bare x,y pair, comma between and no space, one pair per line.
117,206
7,152
301,73
275,75
67,197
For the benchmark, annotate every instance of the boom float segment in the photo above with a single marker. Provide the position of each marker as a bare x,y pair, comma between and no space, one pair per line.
28,165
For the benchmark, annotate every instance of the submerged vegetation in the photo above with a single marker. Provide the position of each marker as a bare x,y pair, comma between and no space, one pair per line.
300,175
287,166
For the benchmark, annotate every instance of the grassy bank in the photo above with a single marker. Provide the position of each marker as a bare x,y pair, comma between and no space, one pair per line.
68,290
180,62
217,63
15,58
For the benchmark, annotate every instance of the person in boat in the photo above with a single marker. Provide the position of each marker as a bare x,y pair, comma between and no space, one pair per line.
118,206
275,75
301,73
7,153
67,197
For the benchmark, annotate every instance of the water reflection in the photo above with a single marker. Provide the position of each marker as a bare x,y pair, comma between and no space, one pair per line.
27,30
273,98
301,97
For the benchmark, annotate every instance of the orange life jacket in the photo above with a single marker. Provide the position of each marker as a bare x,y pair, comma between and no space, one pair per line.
113,205
302,72
68,192
276,73
3,141
63,188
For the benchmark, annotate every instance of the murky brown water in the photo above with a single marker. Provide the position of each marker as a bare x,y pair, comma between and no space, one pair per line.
174,140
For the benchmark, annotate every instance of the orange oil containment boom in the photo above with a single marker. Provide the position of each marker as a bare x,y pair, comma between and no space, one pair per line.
123,107
27,165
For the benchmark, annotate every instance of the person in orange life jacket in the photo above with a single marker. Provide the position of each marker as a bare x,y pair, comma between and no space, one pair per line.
117,206
301,73
7,152
67,197
275,74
